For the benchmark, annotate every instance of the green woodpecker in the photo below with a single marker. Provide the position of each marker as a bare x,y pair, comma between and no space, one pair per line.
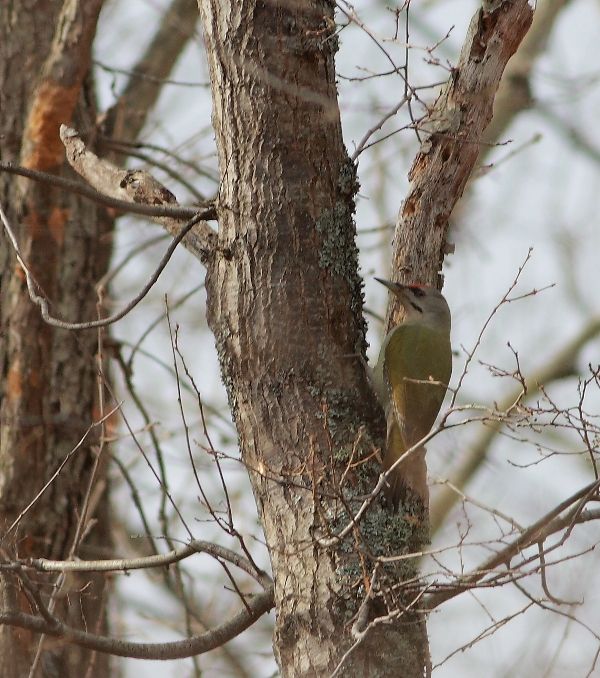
411,378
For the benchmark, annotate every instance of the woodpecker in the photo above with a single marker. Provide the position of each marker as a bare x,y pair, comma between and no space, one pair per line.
410,379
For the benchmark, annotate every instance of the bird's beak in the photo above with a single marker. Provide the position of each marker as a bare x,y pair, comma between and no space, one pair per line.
396,288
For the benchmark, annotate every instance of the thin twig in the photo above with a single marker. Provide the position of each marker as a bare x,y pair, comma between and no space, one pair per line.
42,302
56,473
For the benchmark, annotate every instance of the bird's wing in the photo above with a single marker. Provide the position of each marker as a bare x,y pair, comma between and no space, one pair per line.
417,368
379,380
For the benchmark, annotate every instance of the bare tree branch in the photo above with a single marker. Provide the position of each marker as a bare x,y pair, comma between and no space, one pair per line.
159,560
453,135
538,532
167,210
54,475
255,607
560,365
37,297
133,186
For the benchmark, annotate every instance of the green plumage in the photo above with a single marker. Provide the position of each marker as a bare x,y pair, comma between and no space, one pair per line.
411,378
416,368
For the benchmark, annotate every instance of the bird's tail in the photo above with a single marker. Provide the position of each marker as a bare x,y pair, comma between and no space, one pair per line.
410,475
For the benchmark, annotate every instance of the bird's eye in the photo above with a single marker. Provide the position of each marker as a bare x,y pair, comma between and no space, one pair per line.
417,291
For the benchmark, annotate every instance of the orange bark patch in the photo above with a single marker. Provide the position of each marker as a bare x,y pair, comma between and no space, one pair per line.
56,224
52,106
14,382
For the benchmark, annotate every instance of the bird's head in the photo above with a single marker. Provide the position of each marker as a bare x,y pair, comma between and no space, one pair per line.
422,303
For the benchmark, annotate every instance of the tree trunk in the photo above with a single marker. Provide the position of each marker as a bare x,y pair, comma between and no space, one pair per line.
285,305
49,394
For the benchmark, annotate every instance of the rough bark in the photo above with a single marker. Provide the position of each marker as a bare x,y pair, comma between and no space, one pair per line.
451,137
48,377
285,305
